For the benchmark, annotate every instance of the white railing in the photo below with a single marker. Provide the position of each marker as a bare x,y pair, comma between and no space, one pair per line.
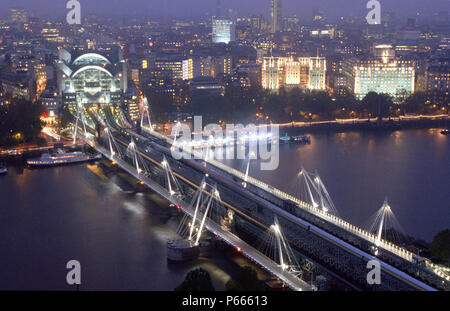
393,248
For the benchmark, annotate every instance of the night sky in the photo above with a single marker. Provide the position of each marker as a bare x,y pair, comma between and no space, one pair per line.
194,8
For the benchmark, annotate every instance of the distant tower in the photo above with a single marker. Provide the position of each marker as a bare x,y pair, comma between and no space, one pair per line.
218,8
18,15
276,18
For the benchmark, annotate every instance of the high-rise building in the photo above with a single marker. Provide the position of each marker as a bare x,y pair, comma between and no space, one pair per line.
276,18
223,30
381,73
18,15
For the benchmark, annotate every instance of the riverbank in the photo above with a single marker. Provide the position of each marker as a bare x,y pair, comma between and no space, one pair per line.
391,124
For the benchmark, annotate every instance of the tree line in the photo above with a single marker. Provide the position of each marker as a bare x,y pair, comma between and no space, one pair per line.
19,122
255,104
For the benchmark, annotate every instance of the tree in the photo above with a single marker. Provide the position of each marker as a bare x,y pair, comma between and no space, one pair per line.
19,122
195,281
245,280
440,247
377,104
415,103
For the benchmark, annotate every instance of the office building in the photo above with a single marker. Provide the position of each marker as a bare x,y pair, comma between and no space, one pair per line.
302,72
381,73
276,18
223,30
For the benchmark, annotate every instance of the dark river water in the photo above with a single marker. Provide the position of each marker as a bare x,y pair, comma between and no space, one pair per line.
411,167
51,216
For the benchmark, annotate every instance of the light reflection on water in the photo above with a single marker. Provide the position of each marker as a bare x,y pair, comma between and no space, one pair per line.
51,216
360,169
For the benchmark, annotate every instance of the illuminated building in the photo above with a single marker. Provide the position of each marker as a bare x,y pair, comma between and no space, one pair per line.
188,69
174,63
207,85
223,30
292,71
276,18
252,71
97,80
302,72
222,65
18,85
18,15
438,83
317,70
271,73
50,102
383,73
52,35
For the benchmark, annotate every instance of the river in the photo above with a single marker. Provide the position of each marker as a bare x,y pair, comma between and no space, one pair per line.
51,216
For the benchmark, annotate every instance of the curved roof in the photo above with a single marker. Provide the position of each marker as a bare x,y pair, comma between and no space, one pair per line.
91,67
91,55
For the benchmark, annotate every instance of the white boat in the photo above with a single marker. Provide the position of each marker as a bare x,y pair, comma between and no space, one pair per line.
3,170
62,158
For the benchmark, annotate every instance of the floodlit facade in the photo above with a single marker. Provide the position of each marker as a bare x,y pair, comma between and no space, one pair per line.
317,70
94,80
223,30
302,72
383,73
271,73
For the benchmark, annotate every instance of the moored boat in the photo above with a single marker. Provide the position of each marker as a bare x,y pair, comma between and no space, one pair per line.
295,139
63,158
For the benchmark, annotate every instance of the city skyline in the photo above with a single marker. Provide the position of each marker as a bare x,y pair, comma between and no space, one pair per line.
196,8
276,152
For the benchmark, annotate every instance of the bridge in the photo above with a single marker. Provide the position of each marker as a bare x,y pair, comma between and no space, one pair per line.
307,231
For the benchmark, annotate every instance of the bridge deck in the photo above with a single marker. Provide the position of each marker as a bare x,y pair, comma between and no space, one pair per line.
246,249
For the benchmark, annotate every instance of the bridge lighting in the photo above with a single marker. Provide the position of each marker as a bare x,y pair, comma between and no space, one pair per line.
178,206
114,163
172,192
139,170
142,183
275,228
238,249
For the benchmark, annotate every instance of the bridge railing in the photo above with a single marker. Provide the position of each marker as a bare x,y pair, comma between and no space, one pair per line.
399,251
249,251
339,222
